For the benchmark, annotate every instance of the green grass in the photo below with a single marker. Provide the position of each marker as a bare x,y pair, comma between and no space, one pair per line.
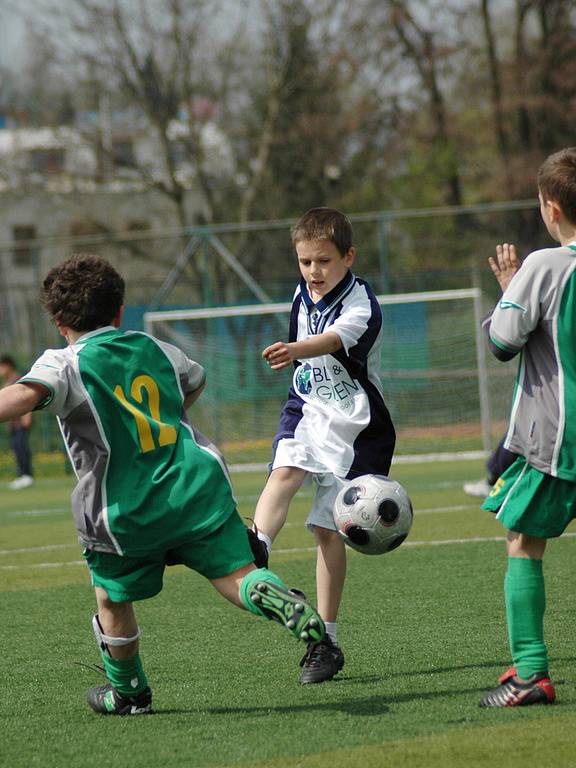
422,630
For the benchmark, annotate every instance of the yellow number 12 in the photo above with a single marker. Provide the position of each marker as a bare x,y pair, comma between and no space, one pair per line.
166,432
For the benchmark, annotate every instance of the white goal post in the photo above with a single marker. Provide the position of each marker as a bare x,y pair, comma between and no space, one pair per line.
438,382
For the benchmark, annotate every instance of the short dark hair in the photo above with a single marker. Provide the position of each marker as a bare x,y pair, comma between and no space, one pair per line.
8,360
83,293
557,181
324,224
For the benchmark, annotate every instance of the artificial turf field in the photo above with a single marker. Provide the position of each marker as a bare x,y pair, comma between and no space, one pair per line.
422,630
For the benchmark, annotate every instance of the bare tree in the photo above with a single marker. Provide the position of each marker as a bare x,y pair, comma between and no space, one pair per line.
496,95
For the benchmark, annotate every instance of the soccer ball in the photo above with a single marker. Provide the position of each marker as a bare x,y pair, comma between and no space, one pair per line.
373,514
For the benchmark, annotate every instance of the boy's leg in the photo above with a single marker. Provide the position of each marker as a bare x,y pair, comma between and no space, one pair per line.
324,660
272,506
263,593
527,682
117,634
330,572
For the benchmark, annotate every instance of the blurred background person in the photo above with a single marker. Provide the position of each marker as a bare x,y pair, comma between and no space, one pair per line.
19,430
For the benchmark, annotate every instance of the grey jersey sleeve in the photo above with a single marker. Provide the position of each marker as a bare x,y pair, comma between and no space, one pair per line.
191,374
51,370
519,310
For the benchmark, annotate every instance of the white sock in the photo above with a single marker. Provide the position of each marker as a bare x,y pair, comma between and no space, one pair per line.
331,631
266,539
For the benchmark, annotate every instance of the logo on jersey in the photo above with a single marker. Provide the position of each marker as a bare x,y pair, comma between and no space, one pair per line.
329,385
512,305
302,379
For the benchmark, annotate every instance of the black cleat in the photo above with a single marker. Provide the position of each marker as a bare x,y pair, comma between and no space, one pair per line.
106,700
321,662
258,547
512,692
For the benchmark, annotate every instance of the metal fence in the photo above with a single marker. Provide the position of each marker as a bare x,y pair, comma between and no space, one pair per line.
399,251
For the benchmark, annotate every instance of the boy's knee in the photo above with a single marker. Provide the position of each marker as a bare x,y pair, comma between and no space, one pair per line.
326,536
523,545
287,473
287,477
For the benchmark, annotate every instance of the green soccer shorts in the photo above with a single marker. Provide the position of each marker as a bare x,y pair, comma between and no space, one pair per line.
531,502
126,579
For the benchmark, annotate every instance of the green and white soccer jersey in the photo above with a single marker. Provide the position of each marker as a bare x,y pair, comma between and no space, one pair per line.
537,316
146,479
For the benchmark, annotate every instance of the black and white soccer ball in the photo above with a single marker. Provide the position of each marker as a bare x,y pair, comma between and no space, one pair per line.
373,514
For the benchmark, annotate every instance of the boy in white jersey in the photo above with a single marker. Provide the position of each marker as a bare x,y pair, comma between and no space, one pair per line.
151,490
335,425
535,498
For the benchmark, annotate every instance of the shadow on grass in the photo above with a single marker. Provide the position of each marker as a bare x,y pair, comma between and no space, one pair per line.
497,665
371,706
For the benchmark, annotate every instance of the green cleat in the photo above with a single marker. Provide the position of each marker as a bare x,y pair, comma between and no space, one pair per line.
289,607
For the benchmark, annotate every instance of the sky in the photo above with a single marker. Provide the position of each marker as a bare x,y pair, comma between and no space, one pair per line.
12,32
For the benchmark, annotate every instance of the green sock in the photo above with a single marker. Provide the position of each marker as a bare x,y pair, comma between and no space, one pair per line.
260,574
525,604
126,675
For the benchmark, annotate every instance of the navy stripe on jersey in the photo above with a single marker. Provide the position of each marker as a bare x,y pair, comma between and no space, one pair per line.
374,446
293,329
289,419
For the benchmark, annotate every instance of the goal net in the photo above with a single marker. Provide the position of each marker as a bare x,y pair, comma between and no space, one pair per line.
444,392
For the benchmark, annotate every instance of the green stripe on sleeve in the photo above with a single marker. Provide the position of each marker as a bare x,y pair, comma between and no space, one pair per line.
512,350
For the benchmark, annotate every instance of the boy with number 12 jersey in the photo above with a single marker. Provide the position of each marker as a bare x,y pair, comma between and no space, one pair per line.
151,490
145,479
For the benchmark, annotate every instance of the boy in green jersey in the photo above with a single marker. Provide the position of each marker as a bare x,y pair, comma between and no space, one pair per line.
151,490
535,498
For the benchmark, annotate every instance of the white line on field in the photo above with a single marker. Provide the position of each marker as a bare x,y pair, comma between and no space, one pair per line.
48,547
35,512
44,548
301,550
41,565
416,458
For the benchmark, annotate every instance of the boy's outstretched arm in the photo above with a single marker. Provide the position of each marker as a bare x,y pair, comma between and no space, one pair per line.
282,354
18,399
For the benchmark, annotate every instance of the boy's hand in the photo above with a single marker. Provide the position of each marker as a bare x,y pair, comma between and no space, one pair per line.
278,355
505,265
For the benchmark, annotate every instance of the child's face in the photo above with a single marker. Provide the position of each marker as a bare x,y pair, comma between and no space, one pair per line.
322,265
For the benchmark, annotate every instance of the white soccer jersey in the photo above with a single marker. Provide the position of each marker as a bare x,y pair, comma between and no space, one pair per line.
335,419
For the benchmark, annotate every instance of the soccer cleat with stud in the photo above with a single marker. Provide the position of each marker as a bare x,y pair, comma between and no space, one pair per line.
321,662
290,608
537,689
106,700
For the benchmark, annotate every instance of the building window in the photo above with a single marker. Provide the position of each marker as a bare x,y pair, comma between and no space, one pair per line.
24,253
47,160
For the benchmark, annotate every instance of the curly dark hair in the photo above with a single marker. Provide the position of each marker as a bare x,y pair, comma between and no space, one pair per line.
83,293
